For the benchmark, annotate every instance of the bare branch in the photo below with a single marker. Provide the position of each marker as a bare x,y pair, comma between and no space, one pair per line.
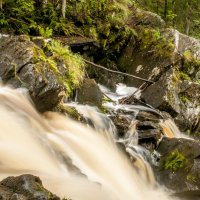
118,72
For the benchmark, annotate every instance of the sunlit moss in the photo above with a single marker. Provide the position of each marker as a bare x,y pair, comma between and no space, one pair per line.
175,161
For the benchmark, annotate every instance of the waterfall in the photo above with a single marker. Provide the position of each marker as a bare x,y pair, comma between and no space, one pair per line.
71,159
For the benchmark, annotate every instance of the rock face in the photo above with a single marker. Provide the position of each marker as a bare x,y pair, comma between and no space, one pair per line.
24,187
172,60
179,165
23,64
89,93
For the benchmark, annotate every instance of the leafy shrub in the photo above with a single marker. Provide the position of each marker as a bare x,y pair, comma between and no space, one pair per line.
102,20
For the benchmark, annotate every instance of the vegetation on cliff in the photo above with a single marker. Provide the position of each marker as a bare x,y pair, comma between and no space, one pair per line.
104,20
183,15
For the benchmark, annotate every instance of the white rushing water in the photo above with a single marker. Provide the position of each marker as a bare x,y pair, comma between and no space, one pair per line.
44,145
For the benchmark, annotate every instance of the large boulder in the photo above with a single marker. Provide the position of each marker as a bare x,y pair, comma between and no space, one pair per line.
172,61
24,187
180,98
179,164
89,93
23,64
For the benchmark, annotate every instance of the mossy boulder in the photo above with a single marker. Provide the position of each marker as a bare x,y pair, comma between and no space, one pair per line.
164,93
156,49
24,187
150,53
180,98
20,66
146,18
48,78
172,61
178,167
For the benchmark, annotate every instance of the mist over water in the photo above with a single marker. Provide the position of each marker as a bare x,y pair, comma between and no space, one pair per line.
71,159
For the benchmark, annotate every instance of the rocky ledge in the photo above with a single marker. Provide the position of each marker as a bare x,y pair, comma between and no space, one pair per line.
24,187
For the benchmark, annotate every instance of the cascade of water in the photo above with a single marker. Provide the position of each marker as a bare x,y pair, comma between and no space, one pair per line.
171,130
30,143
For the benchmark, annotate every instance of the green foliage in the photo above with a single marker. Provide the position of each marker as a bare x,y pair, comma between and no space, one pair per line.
191,178
72,63
184,76
45,32
183,15
68,67
34,18
191,65
174,161
184,98
102,20
152,39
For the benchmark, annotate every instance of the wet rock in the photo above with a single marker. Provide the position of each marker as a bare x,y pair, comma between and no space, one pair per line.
149,133
146,18
22,65
104,77
179,165
142,63
172,60
147,116
189,117
163,95
180,98
151,53
183,42
24,187
122,123
89,93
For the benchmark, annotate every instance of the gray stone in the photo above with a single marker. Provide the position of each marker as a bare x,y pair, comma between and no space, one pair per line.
25,187
179,165
89,93
21,66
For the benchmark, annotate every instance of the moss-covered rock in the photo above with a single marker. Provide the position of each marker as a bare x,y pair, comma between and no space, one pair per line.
164,93
169,58
24,187
179,164
47,78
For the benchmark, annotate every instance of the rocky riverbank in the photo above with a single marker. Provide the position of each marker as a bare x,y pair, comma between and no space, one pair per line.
52,74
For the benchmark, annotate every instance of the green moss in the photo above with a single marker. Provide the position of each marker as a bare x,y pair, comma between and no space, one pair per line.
184,76
152,40
175,161
191,178
73,64
184,98
39,188
103,20
70,111
68,67
191,64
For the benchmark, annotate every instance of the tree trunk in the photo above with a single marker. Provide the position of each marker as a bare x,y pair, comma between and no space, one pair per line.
187,27
1,4
166,9
157,7
63,8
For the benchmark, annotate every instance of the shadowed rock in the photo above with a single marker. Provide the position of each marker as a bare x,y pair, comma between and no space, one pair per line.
22,64
24,187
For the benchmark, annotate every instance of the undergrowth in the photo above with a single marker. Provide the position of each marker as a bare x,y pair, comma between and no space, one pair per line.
68,67
102,20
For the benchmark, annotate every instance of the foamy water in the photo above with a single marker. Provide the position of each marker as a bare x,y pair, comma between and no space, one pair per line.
31,143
